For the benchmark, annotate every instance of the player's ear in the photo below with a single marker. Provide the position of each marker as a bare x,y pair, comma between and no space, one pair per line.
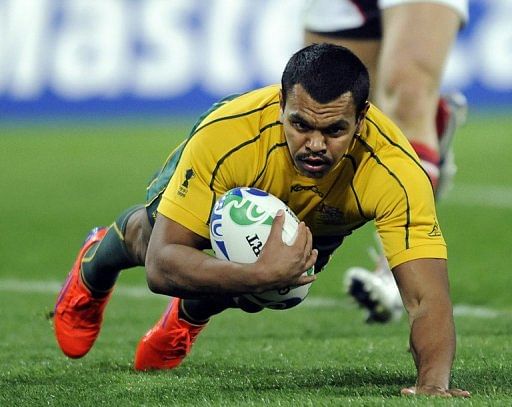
282,102
361,116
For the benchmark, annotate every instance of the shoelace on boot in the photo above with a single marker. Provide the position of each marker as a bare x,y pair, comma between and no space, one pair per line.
180,344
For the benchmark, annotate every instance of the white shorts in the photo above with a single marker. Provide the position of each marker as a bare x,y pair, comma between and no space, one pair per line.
361,18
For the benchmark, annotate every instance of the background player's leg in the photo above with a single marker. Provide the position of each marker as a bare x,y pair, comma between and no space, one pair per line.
416,41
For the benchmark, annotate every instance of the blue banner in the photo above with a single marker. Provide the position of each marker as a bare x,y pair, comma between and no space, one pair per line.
88,58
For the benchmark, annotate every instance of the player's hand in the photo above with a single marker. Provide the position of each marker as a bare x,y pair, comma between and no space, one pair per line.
434,391
282,265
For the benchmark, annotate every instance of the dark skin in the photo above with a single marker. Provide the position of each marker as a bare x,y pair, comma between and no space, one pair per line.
318,135
424,287
173,254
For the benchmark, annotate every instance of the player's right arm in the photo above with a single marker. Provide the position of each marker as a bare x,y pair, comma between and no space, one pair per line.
177,266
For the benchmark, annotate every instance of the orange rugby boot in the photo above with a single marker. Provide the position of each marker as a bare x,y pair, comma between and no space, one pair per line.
77,314
166,344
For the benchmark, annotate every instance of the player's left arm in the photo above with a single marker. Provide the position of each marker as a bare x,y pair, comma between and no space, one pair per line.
424,288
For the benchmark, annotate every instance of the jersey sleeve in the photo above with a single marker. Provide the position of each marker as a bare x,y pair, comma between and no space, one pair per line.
209,166
405,214
187,198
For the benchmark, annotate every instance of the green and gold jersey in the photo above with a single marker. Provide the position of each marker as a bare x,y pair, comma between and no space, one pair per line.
240,142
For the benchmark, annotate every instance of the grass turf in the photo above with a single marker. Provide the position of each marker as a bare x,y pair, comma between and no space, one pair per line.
59,180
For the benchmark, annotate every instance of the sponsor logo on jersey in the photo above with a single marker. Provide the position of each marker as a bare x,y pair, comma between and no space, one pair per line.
436,231
314,188
329,215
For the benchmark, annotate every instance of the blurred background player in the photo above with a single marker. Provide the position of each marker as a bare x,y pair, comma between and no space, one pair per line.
405,44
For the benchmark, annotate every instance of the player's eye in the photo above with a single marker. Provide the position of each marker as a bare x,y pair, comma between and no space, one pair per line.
335,131
301,126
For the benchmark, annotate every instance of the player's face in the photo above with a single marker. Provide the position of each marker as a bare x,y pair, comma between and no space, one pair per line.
318,134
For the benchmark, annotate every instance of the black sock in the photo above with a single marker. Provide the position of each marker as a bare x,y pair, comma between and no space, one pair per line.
200,311
103,262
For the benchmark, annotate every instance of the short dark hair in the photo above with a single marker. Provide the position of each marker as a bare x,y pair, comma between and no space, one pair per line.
327,71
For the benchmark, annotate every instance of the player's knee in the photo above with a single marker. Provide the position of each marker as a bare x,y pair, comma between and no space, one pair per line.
406,99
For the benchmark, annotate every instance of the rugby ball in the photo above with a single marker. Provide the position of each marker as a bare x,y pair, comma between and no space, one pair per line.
240,224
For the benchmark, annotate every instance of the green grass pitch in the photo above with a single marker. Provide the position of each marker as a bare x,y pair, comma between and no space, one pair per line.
59,180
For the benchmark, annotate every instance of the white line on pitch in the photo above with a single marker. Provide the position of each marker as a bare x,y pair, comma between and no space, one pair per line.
495,196
53,287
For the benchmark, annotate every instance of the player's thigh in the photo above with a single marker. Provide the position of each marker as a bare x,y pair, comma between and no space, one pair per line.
366,49
417,38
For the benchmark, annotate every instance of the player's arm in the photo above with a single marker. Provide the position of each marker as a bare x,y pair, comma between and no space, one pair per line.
424,287
177,266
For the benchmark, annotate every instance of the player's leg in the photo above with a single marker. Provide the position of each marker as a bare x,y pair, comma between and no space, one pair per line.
410,69
170,340
451,114
79,308
416,41
124,246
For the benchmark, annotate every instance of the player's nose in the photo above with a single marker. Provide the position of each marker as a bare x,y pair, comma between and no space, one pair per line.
316,142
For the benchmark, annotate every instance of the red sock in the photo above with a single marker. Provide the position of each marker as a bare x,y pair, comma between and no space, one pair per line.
429,159
442,117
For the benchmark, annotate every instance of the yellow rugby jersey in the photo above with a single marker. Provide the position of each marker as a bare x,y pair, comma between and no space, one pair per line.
242,143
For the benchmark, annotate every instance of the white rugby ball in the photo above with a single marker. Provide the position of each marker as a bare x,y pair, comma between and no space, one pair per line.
240,224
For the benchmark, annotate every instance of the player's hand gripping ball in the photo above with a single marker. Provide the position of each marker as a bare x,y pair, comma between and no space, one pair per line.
239,228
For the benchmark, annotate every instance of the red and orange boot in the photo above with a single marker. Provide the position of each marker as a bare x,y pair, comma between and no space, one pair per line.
77,314
166,344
